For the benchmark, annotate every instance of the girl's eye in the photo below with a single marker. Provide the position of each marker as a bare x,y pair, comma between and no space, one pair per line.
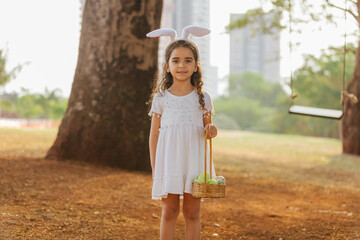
188,61
175,61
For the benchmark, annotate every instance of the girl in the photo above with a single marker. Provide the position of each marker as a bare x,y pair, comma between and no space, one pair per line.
180,111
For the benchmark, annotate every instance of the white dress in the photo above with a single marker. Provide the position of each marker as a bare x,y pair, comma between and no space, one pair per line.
180,148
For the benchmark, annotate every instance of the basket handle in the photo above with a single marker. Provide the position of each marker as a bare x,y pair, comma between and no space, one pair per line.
211,160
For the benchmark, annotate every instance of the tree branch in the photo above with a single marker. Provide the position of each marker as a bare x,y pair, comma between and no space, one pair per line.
347,10
354,2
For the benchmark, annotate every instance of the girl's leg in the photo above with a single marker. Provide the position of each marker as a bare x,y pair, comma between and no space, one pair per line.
170,212
191,211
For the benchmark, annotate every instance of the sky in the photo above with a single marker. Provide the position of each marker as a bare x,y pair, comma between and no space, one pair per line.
44,35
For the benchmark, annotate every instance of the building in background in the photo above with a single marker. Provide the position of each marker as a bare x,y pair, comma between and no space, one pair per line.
258,54
178,14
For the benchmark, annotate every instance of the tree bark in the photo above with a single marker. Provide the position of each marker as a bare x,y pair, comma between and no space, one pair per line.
351,119
106,120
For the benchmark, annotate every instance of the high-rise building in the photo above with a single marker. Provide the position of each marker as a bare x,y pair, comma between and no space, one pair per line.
259,53
178,14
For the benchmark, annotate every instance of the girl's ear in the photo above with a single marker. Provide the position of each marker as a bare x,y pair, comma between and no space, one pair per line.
196,68
167,68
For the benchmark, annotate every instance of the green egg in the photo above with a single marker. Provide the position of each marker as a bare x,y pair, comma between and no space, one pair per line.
200,178
212,181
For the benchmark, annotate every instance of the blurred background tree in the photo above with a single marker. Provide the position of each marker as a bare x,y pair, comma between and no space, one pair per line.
48,105
7,76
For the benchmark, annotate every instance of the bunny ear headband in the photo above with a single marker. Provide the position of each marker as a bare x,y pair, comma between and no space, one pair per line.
194,30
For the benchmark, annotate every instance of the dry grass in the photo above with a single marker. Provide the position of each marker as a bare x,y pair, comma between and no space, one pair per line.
287,157
25,142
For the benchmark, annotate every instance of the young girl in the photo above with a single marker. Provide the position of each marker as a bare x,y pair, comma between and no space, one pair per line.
181,112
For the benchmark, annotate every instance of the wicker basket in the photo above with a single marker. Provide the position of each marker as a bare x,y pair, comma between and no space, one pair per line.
204,190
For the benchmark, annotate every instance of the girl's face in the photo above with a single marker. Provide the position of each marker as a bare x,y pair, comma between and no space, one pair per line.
181,64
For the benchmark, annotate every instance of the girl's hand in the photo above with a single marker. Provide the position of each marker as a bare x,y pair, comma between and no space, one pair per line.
212,130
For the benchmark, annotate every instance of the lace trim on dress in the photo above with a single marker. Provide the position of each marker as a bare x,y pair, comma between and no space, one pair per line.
209,113
154,114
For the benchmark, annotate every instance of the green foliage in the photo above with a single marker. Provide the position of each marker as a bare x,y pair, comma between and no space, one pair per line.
26,106
251,103
50,105
223,121
7,76
6,105
253,86
283,122
258,17
319,82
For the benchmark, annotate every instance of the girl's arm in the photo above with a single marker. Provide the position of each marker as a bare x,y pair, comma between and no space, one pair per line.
208,125
153,139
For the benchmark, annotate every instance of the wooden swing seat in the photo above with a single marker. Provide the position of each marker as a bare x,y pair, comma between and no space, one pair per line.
316,112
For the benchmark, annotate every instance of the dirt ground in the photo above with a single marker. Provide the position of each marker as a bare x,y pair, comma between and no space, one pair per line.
45,199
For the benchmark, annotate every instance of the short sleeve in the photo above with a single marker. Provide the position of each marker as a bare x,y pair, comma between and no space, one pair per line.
156,109
209,107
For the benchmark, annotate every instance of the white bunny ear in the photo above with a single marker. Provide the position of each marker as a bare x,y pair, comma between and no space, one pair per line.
162,32
195,30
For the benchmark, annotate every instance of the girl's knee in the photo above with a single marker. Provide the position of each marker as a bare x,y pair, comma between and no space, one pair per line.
170,213
191,213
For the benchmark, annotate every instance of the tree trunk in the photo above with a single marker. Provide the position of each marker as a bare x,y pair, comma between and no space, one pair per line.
351,118
106,120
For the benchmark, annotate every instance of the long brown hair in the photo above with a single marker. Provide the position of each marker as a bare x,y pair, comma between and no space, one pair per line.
165,80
